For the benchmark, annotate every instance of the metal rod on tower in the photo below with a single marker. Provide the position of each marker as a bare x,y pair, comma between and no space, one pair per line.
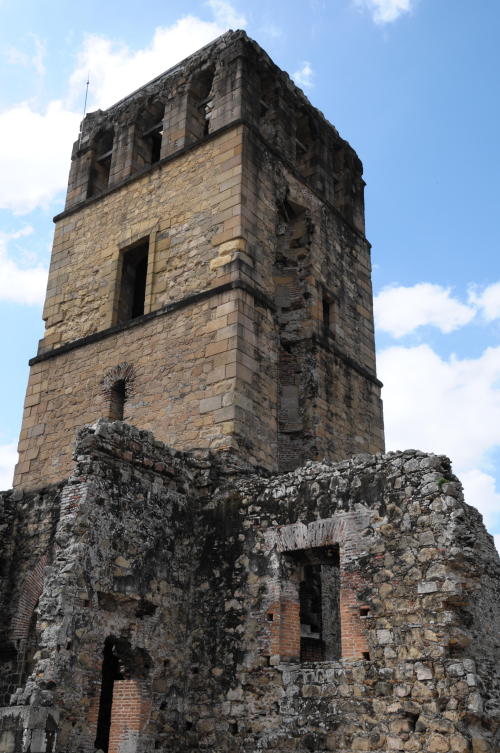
84,105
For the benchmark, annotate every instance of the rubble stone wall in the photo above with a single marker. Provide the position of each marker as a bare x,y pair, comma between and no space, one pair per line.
189,567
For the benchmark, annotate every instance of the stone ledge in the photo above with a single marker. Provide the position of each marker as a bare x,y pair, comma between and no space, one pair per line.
258,295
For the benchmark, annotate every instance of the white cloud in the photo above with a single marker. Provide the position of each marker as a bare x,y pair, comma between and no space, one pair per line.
8,459
116,70
304,76
35,146
385,11
15,56
34,152
400,310
19,284
497,541
225,15
479,490
488,301
446,406
450,406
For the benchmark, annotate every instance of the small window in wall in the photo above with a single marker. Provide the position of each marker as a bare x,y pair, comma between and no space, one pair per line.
328,314
132,291
117,398
101,163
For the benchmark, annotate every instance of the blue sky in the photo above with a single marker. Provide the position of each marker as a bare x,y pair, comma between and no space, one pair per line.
411,84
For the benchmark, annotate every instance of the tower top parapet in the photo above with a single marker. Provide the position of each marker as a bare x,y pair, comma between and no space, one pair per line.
231,80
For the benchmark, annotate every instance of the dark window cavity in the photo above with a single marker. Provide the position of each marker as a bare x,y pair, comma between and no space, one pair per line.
328,314
150,134
111,671
319,596
132,292
101,163
117,398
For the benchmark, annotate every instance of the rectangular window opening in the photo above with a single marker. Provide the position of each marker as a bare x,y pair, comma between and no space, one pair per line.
132,293
328,311
319,601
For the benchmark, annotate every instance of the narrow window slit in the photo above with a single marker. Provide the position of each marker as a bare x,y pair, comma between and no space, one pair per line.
111,671
326,313
118,396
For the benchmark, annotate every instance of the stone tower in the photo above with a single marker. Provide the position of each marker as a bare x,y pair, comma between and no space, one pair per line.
210,276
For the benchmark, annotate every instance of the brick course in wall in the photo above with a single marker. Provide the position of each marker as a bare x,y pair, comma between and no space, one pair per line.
129,715
30,593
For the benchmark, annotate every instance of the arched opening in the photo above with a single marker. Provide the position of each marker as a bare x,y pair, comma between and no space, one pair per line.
101,162
200,102
117,398
149,135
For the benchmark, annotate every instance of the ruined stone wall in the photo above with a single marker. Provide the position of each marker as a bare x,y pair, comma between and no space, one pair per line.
118,570
191,569
417,664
